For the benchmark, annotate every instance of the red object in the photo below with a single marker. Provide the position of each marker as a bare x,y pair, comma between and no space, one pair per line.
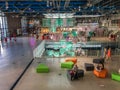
100,74
109,53
47,37
43,37
14,35
74,60
72,72
113,37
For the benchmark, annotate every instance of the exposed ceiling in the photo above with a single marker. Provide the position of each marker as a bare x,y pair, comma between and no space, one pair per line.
79,7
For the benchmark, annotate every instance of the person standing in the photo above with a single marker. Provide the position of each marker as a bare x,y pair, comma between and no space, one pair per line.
37,37
5,39
108,57
105,53
14,36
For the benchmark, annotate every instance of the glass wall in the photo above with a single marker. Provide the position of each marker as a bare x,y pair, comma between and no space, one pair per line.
3,26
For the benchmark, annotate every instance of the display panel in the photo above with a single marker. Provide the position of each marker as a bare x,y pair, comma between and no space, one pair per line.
53,23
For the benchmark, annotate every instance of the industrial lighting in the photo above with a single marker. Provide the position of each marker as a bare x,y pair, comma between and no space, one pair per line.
47,3
50,3
79,8
88,15
6,4
59,15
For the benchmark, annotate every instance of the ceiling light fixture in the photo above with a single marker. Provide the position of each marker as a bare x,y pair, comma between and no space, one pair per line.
6,4
59,15
47,3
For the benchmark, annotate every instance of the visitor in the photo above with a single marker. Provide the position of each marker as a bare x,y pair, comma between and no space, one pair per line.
78,51
10,38
14,36
72,74
105,53
99,67
75,68
82,52
37,37
108,56
5,39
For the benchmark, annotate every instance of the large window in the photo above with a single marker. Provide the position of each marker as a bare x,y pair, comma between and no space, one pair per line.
3,26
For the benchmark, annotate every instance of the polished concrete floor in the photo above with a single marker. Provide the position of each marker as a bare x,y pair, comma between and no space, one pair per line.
56,79
15,57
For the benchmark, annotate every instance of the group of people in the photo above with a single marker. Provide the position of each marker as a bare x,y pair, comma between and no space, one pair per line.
106,56
13,37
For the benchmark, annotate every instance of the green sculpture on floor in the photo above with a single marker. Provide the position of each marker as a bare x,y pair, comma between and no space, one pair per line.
42,68
68,65
115,76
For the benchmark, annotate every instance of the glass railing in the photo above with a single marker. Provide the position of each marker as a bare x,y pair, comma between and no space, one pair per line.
39,50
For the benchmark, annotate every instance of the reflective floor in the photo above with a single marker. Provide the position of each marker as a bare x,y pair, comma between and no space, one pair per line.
56,79
15,56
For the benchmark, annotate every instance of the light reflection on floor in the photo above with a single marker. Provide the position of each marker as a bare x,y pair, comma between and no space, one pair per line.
14,56
32,42
1,49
